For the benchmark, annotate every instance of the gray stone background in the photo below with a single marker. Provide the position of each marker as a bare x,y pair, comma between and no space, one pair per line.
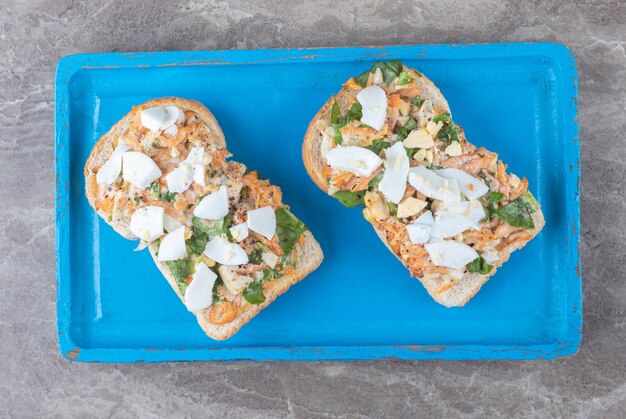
36,382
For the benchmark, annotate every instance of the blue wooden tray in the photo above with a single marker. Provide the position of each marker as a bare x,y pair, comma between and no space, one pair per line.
516,99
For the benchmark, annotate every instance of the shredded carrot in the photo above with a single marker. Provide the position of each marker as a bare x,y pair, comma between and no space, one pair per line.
522,236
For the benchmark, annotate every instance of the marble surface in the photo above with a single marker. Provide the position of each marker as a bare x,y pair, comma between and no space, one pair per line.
36,382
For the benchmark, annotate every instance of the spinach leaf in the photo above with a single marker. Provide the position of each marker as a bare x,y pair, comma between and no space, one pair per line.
494,199
417,101
378,145
270,274
410,152
253,293
405,78
197,242
530,201
337,137
216,295
350,199
335,113
180,269
214,228
169,196
390,70
354,113
406,129
479,265
255,257
516,214
155,190
288,229
449,132
375,181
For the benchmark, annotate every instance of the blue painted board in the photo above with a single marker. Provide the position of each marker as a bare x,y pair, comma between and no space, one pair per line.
516,99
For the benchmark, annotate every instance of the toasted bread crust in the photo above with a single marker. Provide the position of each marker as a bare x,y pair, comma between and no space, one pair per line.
309,252
314,163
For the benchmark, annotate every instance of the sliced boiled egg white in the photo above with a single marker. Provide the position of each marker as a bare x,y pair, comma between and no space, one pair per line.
190,170
421,230
263,221
170,223
239,231
153,118
373,100
179,179
471,187
161,118
213,206
426,218
353,159
450,253
222,251
472,209
110,170
198,174
393,183
434,186
449,224
419,233
199,293
146,223
172,116
173,245
139,170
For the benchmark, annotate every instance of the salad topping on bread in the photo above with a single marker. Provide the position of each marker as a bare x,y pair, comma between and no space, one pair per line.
443,206
220,231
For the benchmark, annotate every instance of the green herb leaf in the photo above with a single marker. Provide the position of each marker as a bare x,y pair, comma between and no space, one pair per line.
137,200
410,152
405,78
530,201
375,181
335,113
417,101
255,257
214,228
449,132
337,137
155,190
253,293
479,265
197,242
180,269
169,196
378,145
406,129
516,214
390,70
270,274
350,199
288,229
355,113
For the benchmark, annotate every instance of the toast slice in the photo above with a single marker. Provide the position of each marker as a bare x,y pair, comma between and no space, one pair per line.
274,259
417,114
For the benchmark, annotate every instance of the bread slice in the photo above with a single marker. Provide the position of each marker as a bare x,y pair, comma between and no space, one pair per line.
470,283
307,252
